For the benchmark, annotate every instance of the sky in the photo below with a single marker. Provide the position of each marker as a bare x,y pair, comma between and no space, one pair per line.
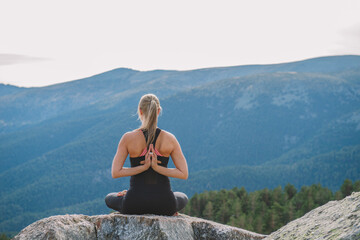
44,42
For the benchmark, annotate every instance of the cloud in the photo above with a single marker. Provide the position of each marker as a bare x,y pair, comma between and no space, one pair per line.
350,39
10,59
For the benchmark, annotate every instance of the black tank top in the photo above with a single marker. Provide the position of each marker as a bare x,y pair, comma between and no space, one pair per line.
149,192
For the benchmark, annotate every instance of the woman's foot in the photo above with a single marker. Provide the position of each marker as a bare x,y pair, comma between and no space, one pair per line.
176,214
122,193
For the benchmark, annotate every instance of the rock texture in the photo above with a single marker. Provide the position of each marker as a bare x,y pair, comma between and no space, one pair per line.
334,220
119,226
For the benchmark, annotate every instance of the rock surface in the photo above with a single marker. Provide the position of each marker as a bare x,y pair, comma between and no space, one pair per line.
334,220
119,226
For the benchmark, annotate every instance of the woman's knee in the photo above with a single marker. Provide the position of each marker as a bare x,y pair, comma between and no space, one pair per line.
110,199
181,195
181,200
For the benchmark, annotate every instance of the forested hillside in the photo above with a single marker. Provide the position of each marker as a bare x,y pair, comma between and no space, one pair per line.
257,126
264,211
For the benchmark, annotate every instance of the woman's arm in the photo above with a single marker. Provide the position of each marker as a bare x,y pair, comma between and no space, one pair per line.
117,169
181,170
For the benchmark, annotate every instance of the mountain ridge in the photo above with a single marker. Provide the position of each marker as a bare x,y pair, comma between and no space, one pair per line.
237,125
309,65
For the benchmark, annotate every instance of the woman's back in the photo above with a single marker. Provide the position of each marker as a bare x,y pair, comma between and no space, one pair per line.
136,143
149,192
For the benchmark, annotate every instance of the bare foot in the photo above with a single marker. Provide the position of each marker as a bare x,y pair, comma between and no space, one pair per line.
176,214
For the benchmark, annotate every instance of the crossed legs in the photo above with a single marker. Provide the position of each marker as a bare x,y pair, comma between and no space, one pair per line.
115,202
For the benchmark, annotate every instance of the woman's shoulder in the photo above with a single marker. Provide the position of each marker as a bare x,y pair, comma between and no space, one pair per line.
168,135
131,134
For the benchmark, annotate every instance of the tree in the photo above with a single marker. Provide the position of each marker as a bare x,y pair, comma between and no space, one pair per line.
290,191
347,187
266,197
4,237
209,211
356,186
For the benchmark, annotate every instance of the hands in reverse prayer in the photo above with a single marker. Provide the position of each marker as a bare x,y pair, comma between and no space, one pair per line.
150,158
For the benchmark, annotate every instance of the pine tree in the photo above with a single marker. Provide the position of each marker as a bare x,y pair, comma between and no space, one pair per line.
347,187
290,191
208,211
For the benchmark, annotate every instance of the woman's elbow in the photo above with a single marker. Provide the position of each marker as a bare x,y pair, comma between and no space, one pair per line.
115,174
185,176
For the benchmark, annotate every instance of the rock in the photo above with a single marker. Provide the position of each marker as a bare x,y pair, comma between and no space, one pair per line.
120,226
334,220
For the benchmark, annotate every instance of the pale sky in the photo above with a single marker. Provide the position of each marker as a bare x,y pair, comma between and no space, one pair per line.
43,42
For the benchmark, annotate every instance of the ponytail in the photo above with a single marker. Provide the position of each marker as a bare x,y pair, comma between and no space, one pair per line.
149,105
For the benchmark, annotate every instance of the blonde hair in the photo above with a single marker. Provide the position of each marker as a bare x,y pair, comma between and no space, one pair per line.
149,105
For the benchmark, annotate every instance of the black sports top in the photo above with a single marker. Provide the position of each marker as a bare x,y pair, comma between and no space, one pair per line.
149,192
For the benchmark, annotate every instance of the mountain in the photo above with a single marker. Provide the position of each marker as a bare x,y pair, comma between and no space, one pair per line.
254,126
334,220
6,89
40,103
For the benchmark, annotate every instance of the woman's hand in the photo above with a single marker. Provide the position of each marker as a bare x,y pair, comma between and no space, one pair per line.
154,161
147,161
150,159
122,193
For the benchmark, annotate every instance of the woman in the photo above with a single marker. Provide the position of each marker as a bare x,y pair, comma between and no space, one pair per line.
149,148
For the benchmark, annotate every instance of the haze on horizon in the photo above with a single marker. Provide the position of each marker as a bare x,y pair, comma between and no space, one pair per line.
47,42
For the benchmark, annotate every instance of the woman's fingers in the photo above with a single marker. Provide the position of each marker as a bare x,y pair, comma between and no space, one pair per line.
122,193
147,160
151,150
154,160
147,156
143,162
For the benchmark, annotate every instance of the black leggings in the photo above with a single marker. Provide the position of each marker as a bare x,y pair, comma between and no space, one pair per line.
115,202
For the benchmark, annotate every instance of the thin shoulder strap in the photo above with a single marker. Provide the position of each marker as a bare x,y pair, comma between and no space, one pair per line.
145,134
158,130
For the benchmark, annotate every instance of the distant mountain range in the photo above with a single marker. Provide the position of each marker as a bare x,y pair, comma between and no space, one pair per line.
255,126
